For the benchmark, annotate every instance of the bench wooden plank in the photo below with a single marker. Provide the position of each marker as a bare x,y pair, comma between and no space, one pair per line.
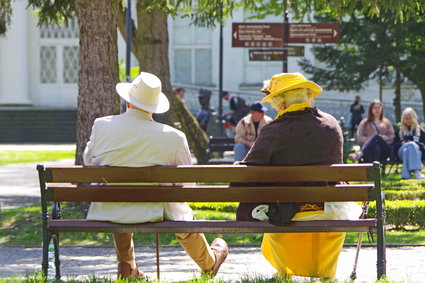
212,226
210,193
233,173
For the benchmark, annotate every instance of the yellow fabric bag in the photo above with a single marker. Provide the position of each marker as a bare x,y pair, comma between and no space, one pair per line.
303,254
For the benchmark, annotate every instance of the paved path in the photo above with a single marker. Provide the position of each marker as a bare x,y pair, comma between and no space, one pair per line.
404,264
19,184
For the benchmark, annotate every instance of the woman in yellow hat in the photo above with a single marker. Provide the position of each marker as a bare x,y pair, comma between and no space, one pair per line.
300,135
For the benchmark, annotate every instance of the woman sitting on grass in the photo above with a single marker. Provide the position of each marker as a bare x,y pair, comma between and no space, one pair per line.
408,145
375,134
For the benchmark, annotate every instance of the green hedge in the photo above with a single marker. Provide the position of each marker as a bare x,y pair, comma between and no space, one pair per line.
405,185
403,212
215,206
400,213
405,195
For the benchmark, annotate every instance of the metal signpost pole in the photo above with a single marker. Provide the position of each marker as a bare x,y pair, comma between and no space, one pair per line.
285,37
220,83
128,36
128,40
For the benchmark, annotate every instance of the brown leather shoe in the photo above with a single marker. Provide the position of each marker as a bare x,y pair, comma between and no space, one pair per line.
221,250
125,271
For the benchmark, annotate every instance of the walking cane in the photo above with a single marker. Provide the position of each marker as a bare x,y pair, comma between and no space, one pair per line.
353,275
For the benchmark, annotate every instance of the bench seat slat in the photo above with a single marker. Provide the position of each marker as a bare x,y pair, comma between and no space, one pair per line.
212,226
197,173
209,194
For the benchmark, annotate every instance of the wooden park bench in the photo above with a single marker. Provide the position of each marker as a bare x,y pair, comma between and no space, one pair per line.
96,184
219,145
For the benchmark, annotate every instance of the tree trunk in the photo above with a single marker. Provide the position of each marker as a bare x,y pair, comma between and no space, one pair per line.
197,138
151,37
98,66
397,98
152,47
422,90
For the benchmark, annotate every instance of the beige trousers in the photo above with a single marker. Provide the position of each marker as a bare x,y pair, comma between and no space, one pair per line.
195,245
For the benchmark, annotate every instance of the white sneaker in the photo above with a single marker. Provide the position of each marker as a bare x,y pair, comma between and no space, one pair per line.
419,175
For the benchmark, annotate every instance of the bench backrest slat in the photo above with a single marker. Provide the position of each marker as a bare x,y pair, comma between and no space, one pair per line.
210,173
209,194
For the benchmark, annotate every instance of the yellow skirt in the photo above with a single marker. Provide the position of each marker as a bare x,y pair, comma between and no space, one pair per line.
303,254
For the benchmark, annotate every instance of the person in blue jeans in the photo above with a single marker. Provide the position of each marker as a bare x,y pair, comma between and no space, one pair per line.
248,129
410,146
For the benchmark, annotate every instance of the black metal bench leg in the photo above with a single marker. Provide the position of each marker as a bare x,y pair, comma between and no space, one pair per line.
157,256
381,263
381,256
45,259
55,238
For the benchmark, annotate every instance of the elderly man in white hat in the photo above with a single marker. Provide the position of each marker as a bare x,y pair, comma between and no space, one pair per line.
134,139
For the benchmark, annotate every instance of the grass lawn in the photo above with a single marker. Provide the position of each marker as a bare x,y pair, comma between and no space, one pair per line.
13,157
37,278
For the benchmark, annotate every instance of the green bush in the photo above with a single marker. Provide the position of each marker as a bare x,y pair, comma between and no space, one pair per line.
410,185
405,194
215,206
401,213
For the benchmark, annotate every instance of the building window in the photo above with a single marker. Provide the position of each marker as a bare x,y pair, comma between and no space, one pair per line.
48,64
192,53
70,64
59,54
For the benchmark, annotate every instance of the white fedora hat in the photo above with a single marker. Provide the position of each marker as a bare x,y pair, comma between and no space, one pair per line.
145,93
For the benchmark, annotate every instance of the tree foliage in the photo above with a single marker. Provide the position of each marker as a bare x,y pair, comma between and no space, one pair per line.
5,13
402,10
370,48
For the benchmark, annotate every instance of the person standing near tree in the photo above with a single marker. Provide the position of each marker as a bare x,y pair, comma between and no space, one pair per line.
238,108
356,110
134,139
180,92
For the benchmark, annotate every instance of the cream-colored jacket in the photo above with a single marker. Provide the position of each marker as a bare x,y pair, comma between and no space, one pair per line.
245,129
134,139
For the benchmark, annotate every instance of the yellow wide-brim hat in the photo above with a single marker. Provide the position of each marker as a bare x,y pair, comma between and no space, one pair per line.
287,81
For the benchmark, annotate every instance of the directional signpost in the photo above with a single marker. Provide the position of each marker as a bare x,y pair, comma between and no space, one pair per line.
275,54
314,33
269,35
257,35
272,34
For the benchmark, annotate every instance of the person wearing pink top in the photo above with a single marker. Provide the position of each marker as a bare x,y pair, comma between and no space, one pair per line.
374,134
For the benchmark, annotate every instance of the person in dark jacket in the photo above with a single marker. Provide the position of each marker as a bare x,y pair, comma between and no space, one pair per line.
356,110
238,108
300,135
